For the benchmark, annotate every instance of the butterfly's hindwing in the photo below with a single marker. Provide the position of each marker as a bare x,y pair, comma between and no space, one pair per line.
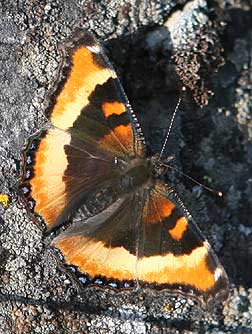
105,245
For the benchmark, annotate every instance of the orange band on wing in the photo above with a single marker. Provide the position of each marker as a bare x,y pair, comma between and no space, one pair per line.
85,75
178,230
185,269
47,185
110,108
94,258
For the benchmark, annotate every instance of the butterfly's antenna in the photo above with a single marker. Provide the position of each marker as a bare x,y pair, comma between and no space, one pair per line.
170,126
218,193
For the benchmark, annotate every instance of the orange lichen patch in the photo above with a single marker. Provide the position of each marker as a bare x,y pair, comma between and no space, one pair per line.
110,108
4,200
157,208
47,186
93,257
84,76
179,229
189,269
168,308
120,140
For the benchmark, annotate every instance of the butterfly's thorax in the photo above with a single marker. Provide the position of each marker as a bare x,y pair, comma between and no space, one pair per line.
136,173
131,175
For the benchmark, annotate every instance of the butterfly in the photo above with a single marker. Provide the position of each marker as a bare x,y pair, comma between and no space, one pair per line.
137,232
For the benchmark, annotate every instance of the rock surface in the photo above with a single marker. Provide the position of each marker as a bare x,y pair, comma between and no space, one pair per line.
156,48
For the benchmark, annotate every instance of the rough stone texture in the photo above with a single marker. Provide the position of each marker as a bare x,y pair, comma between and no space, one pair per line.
150,44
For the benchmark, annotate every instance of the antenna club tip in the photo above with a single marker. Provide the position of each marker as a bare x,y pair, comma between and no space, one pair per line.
219,193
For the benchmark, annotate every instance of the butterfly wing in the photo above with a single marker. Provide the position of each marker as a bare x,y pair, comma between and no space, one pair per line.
173,253
89,101
105,246
92,125
62,172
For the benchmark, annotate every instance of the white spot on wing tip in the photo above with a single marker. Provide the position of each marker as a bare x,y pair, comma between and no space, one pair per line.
218,273
94,48
206,244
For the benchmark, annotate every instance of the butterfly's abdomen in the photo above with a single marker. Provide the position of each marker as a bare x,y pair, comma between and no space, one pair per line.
98,201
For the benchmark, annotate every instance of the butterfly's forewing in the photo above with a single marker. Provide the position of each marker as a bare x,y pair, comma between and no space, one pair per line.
90,102
92,124
173,253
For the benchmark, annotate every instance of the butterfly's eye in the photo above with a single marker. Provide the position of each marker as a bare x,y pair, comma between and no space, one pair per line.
120,163
158,168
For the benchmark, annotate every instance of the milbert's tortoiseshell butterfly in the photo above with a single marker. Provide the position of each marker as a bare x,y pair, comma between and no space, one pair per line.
137,231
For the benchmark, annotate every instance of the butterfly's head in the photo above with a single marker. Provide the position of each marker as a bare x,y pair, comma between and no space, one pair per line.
158,168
